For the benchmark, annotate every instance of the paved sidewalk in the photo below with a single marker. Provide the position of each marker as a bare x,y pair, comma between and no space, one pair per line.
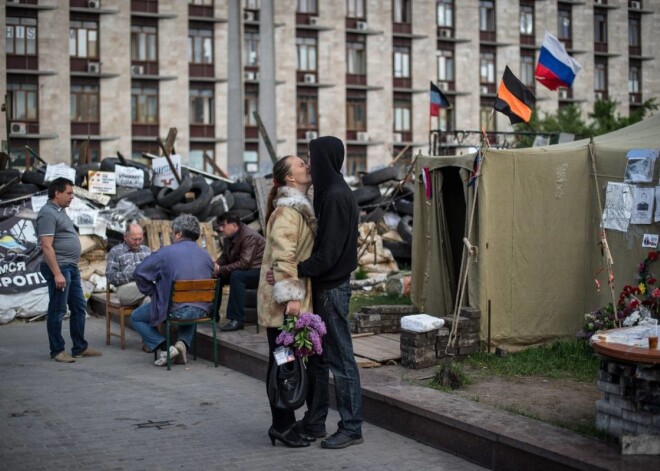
120,412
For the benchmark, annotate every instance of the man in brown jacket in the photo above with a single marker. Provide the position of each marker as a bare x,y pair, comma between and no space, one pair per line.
238,266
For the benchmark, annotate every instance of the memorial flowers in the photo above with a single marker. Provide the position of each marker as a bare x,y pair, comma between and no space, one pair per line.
303,333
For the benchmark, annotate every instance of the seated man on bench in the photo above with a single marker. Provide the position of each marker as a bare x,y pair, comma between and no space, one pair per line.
239,265
122,261
183,260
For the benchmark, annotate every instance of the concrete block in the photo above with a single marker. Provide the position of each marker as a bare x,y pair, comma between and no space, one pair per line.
404,310
609,387
643,418
640,445
607,408
468,350
470,313
648,373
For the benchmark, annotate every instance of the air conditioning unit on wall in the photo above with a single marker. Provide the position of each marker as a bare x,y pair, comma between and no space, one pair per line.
636,5
313,20
397,137
445,33
93,67
484,90
598,95
137,70
563,94
309,135
361,25
94,4
362,136
248,16
18,128
444,86
309,78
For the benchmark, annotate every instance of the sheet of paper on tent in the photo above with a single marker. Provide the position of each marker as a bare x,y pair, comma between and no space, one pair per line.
618,206
650,241
642,205
640,165
656,214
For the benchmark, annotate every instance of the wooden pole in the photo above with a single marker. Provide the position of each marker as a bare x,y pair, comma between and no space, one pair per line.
169,160
264,136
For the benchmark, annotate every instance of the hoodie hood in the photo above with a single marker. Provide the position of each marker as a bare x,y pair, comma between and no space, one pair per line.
326,157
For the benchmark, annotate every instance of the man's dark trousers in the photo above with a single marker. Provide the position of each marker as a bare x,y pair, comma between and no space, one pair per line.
239,281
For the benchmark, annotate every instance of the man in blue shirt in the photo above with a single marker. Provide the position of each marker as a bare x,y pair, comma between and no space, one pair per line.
183,260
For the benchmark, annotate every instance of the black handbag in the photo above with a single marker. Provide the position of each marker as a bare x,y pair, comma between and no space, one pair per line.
287,384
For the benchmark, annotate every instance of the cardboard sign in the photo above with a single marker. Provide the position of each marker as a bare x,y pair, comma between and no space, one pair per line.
97,198
163,173
101,182
59,170
129,177
38,202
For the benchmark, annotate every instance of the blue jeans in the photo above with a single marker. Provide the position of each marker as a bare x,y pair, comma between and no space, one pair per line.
73,296
332,306
239,281
150,335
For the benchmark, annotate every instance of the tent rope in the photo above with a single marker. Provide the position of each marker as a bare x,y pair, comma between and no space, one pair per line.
605,247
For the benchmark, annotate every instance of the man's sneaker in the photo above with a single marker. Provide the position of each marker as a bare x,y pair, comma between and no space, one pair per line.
63,357
182,358
231,326
341,440
162,356
88,352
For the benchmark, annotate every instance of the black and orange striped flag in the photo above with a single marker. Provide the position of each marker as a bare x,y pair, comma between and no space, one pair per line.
514,99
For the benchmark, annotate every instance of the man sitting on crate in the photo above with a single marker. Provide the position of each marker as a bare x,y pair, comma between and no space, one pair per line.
122,261
239,265
183,260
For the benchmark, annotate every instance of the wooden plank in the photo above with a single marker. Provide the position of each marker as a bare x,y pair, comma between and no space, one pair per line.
193,297
195,285
377,348
262,188
366,363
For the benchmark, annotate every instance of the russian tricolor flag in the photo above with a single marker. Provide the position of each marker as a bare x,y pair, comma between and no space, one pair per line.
556,68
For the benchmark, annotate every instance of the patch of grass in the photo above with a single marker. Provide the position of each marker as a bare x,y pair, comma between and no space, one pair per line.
360,274
566,359
458,378
367,299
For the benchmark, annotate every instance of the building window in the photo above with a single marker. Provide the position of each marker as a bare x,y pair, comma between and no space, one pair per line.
487,16
84,103
24,101
306,53
402,11
21,36
445,13
634,79
202,3
527,69
600,75
251,49
446,119
307,6
356,114
564,24
487,67
144,43
356,58
485,120
527,20
144,104
355,8
445,65
356,161
307,112
402,62
251,105
84,39
600,27
634,32
252,4
202,106
200,46
402,111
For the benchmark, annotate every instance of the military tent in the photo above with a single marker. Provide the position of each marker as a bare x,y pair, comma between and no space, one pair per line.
536,227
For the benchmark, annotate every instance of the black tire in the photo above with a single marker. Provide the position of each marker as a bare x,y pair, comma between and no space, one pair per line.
400,250
205,215
405,228
244,201
19,189
203,198
167,197
375,216
404,207
81,172
406,190
140,198
218,207
34,177
366,194
229,198
219,187
155,213
380,176
245,215
10,174
250,298
243,186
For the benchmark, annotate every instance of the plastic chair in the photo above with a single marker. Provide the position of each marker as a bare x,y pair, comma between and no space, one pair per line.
190,291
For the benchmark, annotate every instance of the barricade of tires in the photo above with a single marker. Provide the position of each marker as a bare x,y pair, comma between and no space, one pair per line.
384,201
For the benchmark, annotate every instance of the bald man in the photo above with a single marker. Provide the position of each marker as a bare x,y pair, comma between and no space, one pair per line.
123,259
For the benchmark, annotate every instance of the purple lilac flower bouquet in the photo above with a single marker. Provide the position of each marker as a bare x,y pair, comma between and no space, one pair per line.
303,333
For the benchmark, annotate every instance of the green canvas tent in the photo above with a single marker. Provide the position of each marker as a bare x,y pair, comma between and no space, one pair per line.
536,226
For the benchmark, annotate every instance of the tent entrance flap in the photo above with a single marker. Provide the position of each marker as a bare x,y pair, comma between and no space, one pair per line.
453,221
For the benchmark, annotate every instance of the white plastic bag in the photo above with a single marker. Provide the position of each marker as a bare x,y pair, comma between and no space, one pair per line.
421,323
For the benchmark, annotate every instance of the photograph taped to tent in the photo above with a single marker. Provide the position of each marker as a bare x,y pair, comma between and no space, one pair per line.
642,205
640,165
650,240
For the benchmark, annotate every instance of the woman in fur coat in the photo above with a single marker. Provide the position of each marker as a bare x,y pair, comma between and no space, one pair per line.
290,232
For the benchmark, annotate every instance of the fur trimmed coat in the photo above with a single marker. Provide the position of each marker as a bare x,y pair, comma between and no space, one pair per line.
290,234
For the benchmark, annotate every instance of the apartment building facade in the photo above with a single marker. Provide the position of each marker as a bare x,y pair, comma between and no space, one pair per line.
120,73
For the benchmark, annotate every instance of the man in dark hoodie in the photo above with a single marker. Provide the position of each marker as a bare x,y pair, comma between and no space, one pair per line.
333,259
